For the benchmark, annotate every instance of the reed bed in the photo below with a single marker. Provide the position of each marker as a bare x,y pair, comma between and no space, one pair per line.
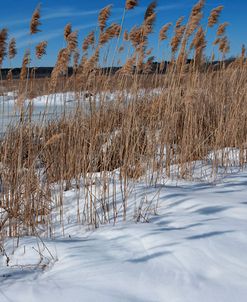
173,115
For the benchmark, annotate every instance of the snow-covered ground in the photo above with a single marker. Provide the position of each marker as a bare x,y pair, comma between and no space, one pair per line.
192,248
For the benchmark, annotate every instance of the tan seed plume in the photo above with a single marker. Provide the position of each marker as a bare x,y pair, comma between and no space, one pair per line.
195,17
25,63
214,16
222,29
88,41
163,31
130,4
35,21
12,52
3,44
72,40
41,49
67,31
104,16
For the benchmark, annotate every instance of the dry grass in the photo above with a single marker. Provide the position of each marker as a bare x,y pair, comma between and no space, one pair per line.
170,119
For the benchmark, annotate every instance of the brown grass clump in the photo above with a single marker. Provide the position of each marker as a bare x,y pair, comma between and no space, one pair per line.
35,21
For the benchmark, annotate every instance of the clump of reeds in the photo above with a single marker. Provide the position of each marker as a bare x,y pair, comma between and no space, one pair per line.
3,44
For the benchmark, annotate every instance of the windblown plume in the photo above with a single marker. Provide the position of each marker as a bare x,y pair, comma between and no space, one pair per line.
104,16
35,21
111,32
25,63
126,36
195,17
150,10
41,49
163,31
3,44
214,16
130,4
12,49
127,68
72,40
224,46
222,29
89,40
179,32
67,31
199,44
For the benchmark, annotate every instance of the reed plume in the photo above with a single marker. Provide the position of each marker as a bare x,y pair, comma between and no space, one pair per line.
179,33
199,44
195,17
104,16
25,63
131,4
150,10
61,67
41,49
12,51
127,68
111,32
88,41
214,16
67,31
222,29
35,21
3,44
224,46
163,31
72,40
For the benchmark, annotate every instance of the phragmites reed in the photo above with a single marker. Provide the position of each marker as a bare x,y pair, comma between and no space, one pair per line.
150,10
127,68
3,44
148,66
35,21
163,31
25,63
104,16
76,58
130,4
222,29
41,49
12,51
72,40
214,16
88,41
199,44
179,32
224,46
195,17
67,31
60,67
111,32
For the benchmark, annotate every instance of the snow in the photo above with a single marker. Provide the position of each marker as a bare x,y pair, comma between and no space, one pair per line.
192,247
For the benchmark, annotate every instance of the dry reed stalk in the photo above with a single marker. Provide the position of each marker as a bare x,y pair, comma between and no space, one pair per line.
179,33
35,21
214,16
41,49
131,4
12,51
111,32
3,44
104,15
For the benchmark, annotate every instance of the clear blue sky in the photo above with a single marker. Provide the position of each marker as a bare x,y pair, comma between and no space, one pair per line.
15,15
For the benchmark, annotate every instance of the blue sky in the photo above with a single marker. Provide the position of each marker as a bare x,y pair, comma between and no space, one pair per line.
15,15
